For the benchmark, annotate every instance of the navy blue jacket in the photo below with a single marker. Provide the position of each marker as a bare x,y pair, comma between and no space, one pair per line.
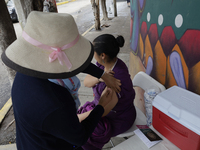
45,116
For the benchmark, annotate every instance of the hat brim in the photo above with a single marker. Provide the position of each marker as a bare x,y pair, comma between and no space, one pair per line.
79,67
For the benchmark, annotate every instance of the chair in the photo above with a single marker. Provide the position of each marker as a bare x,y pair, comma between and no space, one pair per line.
143,80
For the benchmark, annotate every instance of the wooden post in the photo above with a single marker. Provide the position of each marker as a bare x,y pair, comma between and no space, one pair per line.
95,7
24,7
7,34
103,7
115,8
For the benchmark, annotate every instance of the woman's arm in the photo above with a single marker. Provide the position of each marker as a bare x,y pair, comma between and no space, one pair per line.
108,105
109,80
111,104
82,116
90,81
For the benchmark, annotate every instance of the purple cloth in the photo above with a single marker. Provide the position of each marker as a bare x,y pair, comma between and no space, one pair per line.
86,107
123,115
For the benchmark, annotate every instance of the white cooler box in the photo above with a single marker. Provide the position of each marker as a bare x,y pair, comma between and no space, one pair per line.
176,115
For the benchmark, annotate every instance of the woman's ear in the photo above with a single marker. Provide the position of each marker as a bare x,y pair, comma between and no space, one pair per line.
103,55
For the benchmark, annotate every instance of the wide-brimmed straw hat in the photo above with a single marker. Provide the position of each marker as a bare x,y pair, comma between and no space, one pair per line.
50,47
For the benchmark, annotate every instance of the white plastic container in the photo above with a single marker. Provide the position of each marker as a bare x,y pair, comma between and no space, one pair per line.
176,115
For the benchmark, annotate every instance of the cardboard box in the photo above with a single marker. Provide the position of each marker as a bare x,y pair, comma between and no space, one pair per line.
176,115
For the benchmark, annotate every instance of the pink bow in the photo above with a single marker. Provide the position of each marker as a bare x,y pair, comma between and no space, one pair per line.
61,56
57,51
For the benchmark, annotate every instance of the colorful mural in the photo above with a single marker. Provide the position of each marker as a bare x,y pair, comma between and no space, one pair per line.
165,35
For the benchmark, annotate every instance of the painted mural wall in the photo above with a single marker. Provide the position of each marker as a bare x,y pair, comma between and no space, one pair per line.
165,37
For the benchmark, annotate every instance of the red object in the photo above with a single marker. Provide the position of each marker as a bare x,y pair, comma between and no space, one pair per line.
168,40
143,30
190,45
178,134
153,35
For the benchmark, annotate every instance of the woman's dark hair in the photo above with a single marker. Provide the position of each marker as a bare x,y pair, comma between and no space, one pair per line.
108,44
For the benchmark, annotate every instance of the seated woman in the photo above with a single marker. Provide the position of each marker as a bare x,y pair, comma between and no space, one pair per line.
123,115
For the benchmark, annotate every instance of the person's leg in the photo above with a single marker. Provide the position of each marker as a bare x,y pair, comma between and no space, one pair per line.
128,3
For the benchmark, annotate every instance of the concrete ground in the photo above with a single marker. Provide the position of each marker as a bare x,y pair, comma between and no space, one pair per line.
119,25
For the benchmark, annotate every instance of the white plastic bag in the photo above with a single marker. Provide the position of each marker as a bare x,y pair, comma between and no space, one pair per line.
149,96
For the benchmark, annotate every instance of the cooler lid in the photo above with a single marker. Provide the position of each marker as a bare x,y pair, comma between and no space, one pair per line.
181,105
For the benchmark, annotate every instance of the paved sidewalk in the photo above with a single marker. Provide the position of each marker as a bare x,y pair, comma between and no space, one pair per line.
64,2
119,25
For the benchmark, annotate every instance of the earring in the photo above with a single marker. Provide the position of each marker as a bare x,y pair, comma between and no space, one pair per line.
103,61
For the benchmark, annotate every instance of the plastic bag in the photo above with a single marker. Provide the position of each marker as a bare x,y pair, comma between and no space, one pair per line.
149,96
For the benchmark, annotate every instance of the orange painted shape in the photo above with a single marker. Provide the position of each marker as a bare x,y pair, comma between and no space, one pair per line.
194,79
185,68
141,48
147,51
159,64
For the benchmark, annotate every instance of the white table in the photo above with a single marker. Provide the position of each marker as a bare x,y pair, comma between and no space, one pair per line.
135,143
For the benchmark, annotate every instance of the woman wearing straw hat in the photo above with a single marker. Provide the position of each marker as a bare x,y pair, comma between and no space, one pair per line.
51,48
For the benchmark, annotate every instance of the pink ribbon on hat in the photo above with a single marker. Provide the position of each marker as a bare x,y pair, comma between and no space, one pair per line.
57,53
